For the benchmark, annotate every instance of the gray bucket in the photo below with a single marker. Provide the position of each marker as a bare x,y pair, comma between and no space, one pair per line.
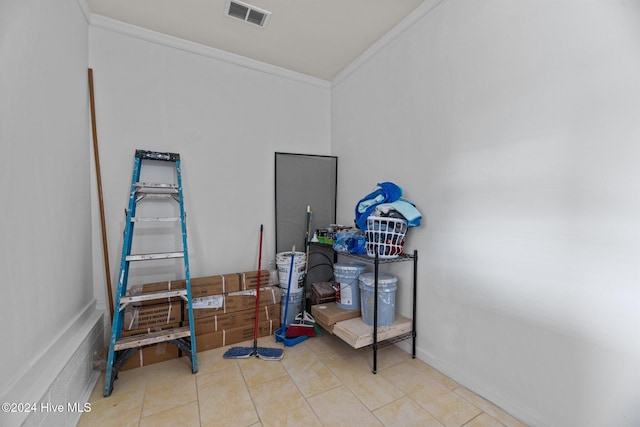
295,306
347,289
387,285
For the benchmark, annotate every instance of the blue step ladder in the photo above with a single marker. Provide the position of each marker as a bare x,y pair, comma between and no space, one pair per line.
121,349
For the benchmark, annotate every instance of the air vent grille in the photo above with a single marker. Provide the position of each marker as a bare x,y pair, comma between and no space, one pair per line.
247,13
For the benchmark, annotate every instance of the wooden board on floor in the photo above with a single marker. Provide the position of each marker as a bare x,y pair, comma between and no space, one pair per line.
358,334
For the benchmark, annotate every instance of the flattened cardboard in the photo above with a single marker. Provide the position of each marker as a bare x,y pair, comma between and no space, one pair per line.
153,315
200,286
235,335
249,279
141,331
234,301
151,354
213,285
242,318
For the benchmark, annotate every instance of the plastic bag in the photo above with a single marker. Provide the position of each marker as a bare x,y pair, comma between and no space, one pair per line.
352,241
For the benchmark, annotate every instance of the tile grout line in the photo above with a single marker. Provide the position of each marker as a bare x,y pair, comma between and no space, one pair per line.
427,410
306,400
481,409
144,394
246,387
326,354
198,400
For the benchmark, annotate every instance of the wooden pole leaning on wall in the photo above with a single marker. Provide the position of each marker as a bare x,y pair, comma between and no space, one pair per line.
96,156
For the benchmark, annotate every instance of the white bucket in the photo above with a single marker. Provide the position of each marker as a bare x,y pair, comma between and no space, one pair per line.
283,261
347,289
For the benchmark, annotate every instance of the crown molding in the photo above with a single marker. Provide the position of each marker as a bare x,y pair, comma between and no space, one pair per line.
396,32
99,21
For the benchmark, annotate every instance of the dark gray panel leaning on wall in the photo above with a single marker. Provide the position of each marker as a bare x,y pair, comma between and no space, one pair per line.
303,180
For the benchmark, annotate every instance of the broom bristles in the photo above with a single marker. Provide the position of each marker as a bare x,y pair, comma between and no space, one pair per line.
298,330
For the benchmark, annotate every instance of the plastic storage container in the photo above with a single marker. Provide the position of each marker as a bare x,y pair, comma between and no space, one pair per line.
346,286
387,286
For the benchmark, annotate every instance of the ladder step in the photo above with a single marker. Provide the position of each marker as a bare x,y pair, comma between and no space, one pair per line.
161,255
156,219
153,295
156,188
152,338
157,155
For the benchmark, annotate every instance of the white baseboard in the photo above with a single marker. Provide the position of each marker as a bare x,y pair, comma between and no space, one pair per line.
468,381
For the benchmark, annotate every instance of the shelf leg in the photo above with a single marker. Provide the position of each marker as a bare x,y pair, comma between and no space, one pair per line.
415,291
375,315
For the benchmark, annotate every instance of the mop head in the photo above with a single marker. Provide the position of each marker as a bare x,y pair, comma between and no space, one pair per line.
239,353
266,353
263,353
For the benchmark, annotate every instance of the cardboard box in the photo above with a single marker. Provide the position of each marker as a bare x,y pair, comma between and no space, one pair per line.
235,301
327,315
141,331
212,285
151,354
249,279
149,288
153,315
165,351
235,335
242,318
200,286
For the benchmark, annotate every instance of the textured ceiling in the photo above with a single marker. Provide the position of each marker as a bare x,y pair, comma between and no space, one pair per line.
318,38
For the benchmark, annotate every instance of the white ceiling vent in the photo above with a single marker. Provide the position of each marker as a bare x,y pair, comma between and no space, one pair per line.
247,13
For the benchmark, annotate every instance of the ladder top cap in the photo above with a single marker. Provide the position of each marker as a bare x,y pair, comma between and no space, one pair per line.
157,155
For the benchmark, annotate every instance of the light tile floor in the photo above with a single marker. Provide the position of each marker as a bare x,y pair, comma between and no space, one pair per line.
319,382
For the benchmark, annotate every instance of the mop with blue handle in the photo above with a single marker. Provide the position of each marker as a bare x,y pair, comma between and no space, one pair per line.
263,353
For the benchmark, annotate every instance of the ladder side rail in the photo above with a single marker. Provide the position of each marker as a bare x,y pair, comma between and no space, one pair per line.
123,279
187,274
116,324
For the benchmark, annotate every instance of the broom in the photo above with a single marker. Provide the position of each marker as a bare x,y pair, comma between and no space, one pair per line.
263,353
301,328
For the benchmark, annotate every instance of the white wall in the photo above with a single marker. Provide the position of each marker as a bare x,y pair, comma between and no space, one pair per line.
514,127
225,115
48,313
